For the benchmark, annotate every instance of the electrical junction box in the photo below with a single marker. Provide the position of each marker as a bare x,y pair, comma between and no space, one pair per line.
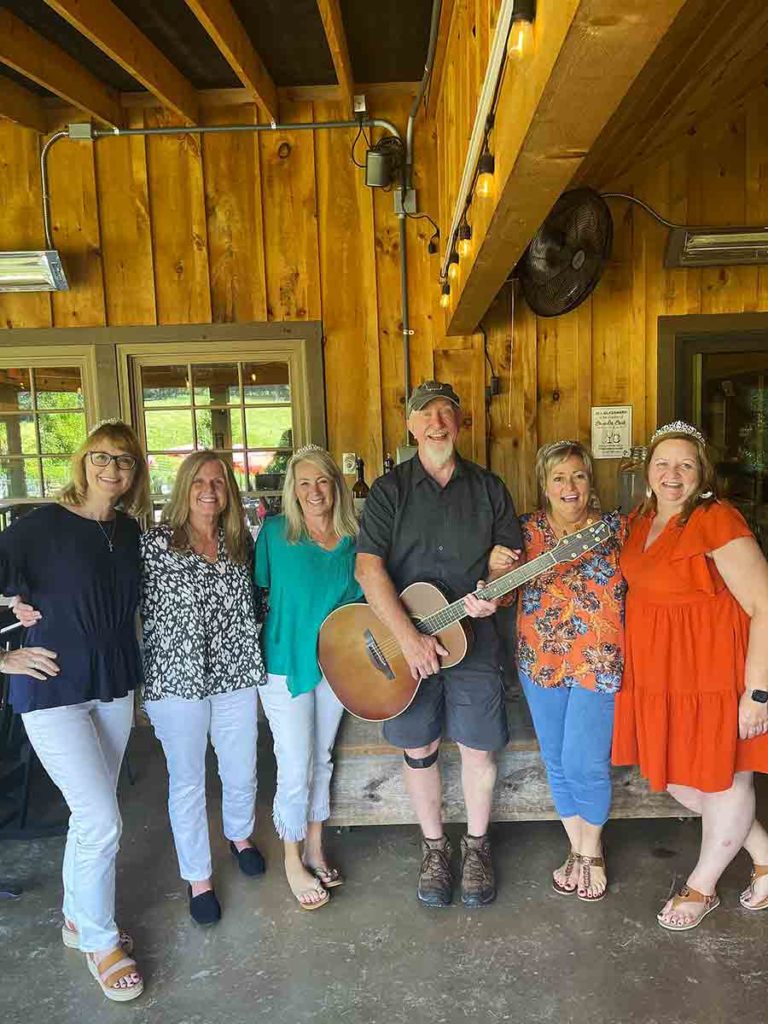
405,201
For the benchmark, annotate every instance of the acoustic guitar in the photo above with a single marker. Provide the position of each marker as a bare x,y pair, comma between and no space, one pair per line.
363,662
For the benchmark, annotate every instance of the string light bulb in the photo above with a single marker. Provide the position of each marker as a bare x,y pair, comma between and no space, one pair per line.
445,296
485,170
520,39
464,246
453,266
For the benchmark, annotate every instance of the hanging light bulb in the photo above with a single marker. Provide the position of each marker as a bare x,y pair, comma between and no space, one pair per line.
445,296
485,168
453,266
464,247
520,39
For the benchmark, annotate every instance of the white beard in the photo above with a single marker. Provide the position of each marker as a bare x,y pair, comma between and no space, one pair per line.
440,455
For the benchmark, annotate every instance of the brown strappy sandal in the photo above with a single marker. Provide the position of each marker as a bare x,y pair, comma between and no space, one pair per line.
110,971
758,871
570,863
689,895
588,863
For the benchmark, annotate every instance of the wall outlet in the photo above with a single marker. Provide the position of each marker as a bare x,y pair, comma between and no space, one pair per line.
349,463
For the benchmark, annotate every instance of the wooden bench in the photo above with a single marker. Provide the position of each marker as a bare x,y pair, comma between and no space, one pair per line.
368,786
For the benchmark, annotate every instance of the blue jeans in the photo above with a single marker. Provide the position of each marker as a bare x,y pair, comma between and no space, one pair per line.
574,728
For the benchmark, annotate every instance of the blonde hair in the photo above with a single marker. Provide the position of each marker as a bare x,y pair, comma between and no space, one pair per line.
176,512
344,521
706,491
117,434
551,455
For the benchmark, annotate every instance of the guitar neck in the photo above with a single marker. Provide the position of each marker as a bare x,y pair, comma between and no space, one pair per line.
493,591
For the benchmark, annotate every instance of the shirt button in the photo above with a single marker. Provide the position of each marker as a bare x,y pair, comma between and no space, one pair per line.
439,547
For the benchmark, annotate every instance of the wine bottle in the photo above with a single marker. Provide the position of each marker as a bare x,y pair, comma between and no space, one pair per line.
360,488
389,463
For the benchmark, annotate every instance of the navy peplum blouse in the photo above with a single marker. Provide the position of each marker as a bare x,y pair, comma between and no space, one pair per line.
61,564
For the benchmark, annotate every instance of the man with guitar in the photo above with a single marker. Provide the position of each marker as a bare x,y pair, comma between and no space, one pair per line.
436,518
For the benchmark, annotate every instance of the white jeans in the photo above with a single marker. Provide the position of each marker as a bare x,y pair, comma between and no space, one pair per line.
183,726
304,730
81,746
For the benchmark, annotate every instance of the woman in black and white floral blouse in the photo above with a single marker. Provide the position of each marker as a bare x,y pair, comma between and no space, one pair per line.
202,665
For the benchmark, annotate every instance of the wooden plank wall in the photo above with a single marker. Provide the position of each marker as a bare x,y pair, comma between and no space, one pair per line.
238,228
604,353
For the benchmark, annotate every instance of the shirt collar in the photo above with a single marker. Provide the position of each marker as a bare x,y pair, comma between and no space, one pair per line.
420,474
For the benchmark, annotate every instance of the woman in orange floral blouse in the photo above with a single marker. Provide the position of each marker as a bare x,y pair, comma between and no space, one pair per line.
570,657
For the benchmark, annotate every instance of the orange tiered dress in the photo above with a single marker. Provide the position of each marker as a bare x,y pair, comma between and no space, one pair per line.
685,649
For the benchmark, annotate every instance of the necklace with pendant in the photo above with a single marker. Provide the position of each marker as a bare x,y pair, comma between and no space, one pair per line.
108,537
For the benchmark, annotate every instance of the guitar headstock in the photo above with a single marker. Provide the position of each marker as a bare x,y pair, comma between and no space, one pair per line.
576,544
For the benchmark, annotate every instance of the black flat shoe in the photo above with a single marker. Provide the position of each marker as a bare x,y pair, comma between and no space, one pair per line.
204,909
249,860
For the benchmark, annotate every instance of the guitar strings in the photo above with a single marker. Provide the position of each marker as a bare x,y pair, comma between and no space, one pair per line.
455,611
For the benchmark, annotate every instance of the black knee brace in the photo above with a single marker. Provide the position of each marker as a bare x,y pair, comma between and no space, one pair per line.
421,762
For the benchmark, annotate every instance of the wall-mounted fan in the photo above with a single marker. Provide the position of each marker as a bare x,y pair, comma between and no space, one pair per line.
566,256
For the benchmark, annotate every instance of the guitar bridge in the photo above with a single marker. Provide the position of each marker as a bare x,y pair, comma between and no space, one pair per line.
377,657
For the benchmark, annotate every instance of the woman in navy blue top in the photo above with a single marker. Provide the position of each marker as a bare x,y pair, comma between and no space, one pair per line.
74,568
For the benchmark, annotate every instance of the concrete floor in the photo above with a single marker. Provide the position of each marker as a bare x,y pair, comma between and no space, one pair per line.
374,955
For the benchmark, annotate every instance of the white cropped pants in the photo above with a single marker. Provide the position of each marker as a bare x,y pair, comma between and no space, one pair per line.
183,727
304,730
81,746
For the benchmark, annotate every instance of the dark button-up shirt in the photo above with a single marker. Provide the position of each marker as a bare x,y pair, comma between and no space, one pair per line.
441,535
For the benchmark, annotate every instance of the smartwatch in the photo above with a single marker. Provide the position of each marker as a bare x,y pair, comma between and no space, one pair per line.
761,696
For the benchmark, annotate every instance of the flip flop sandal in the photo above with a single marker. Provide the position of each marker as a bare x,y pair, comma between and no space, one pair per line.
314,906
689,895
571,861
111,970
758,871
71,939
328,877
588,863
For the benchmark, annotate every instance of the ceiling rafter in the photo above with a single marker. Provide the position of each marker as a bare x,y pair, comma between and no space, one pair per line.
222,24
107,27
33,56
333,24
22,106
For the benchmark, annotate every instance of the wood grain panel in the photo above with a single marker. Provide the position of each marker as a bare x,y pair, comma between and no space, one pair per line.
179,244
124,219
290,219
22,221
233,203
76,234
348,283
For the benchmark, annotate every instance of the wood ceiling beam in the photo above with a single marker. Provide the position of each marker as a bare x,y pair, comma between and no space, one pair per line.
330,13
542,135
107,27
222,24
22,106
33,56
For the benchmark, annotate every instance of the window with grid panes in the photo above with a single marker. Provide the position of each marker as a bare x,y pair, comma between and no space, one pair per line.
241,409
42,422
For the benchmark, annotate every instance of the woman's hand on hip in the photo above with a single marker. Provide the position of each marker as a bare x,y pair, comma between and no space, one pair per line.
753,717
25,613
38,662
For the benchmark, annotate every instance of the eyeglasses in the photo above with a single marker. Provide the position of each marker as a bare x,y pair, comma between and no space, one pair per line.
103,459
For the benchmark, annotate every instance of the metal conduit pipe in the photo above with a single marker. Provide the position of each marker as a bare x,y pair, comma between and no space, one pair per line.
433,27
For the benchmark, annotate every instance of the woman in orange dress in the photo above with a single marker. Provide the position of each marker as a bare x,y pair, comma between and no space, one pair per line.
693,708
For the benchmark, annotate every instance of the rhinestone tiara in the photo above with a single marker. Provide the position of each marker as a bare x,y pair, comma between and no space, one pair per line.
678,427
305,450
548,449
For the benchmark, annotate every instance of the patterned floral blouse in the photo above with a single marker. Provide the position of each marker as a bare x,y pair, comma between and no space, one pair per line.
570,620
200,622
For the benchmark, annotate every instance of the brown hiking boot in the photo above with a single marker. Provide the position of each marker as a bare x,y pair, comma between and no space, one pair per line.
435,880
478,883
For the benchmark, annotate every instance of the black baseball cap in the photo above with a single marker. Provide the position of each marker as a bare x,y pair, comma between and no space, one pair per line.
429,390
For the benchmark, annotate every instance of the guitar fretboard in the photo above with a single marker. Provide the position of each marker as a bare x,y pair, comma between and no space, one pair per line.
503,585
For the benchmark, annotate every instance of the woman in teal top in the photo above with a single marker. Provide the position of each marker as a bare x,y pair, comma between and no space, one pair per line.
305,559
